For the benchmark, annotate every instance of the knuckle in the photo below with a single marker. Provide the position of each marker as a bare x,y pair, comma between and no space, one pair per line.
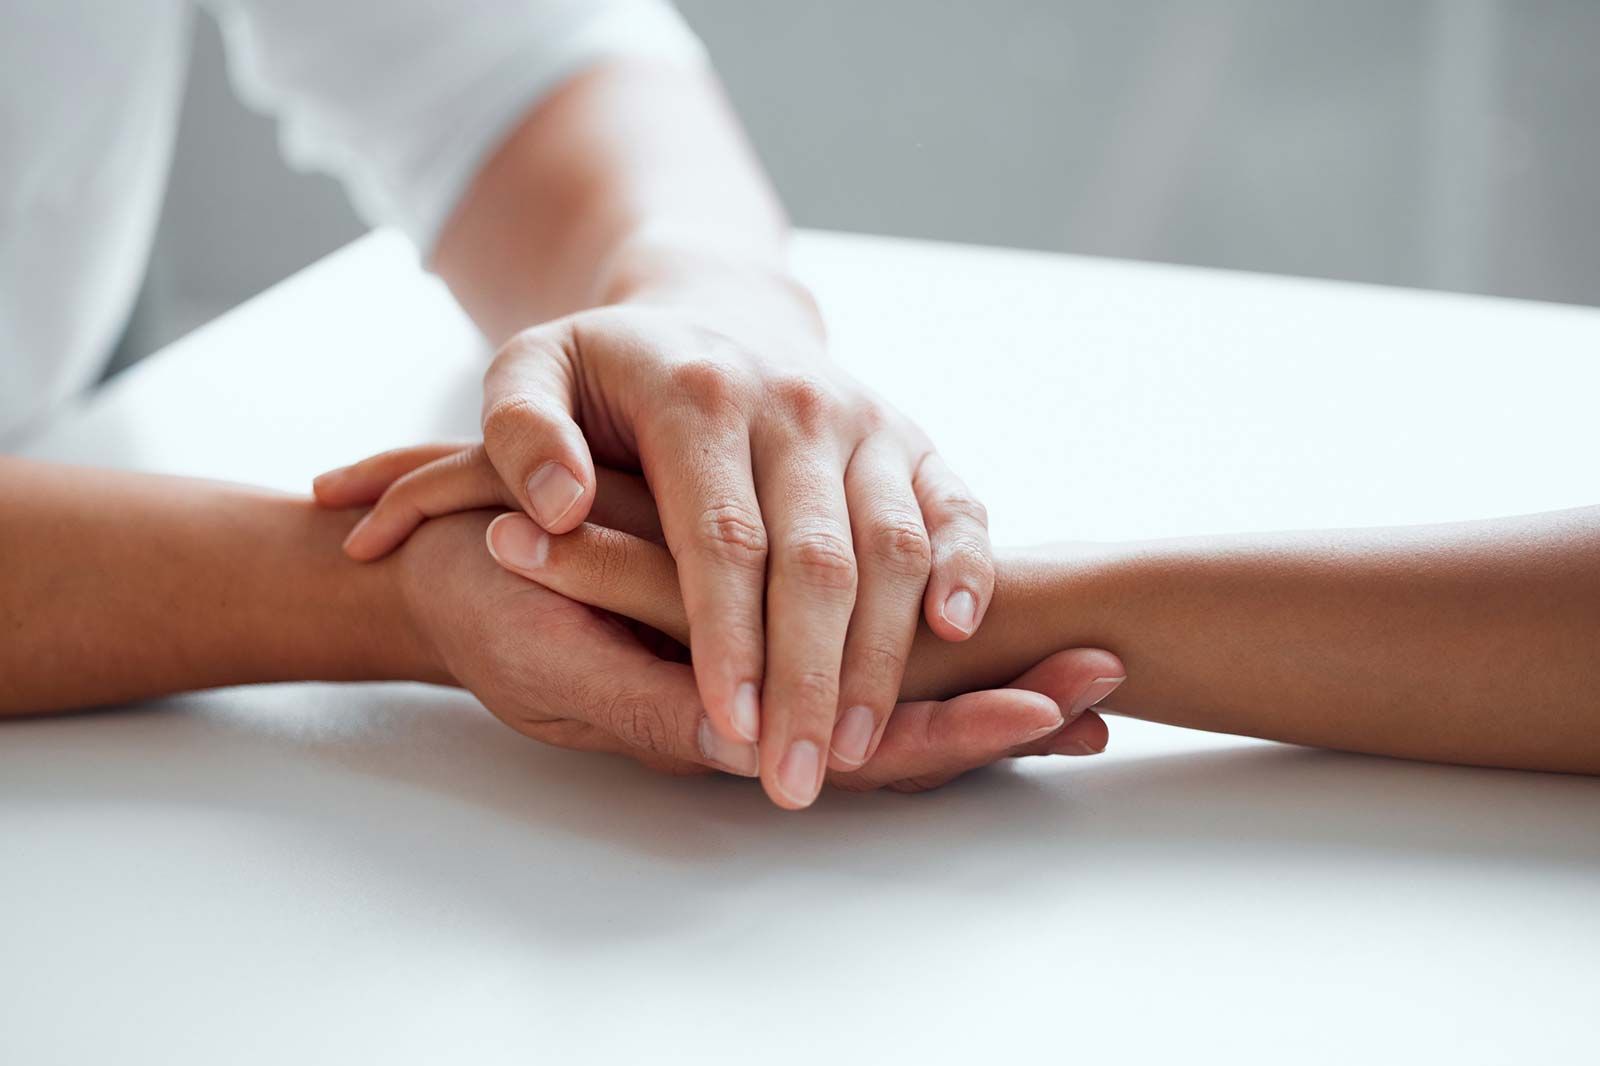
962,506
899,543
872,418
882,662
639,722
968,555
732,533
820,558
706,384
807,401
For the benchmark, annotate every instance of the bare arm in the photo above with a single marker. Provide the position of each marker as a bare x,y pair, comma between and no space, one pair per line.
633,173
1475,642
118,586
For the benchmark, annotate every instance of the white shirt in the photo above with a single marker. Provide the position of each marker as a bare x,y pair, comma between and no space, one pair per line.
401,100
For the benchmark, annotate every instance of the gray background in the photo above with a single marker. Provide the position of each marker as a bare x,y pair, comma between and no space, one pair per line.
1439,143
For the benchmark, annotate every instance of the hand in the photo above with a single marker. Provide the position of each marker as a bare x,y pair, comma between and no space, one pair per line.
566,674
787,492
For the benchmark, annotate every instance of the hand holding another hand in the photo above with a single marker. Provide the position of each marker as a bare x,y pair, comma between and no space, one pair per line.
786,491
570,675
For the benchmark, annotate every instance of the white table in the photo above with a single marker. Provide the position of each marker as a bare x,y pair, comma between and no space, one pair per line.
384,873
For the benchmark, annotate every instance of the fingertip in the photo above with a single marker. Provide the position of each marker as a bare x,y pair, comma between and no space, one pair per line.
323,486
355,542
337,490
1097,690
1037,714
954,612
517,543
744,711
1088,734
798,778
1066,675
854,736
370,548
1099,663
558,499
731,756
998,720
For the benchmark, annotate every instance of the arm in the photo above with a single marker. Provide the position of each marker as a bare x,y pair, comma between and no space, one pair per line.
631,176
1412,642
117,586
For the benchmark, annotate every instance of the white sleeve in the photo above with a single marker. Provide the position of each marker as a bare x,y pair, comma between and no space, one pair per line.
404,100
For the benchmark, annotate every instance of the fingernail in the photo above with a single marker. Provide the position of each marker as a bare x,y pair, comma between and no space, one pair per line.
961,610
1083,747
518,543
853,735
736,758
356,529
1098,689
799,775
746,715
552,490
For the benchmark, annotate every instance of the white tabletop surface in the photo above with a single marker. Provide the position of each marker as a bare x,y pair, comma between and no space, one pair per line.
384,873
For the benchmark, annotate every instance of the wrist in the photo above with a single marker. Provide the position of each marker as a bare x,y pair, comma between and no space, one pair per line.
422,656
729,278
1045,600
367,627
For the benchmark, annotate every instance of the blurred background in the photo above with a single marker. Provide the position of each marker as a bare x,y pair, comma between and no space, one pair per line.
1449,144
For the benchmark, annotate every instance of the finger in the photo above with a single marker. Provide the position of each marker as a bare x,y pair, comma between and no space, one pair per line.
810,596
601,567
574,735
528,399
961,582
1077,679
1045,711
360,484
1085,735
893,553
654,710
929,742
699,471
461,481
650,708
623,501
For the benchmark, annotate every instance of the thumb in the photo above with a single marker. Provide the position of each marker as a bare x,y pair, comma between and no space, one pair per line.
529,395
1076,679
929,742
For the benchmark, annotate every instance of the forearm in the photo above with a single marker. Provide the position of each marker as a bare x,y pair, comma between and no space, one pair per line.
633,175
1475,643
118,586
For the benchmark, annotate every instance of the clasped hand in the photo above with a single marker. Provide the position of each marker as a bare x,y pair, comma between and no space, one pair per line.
810,525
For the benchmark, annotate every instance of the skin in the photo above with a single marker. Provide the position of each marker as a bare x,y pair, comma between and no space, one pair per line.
117,586
1410,642
625,251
